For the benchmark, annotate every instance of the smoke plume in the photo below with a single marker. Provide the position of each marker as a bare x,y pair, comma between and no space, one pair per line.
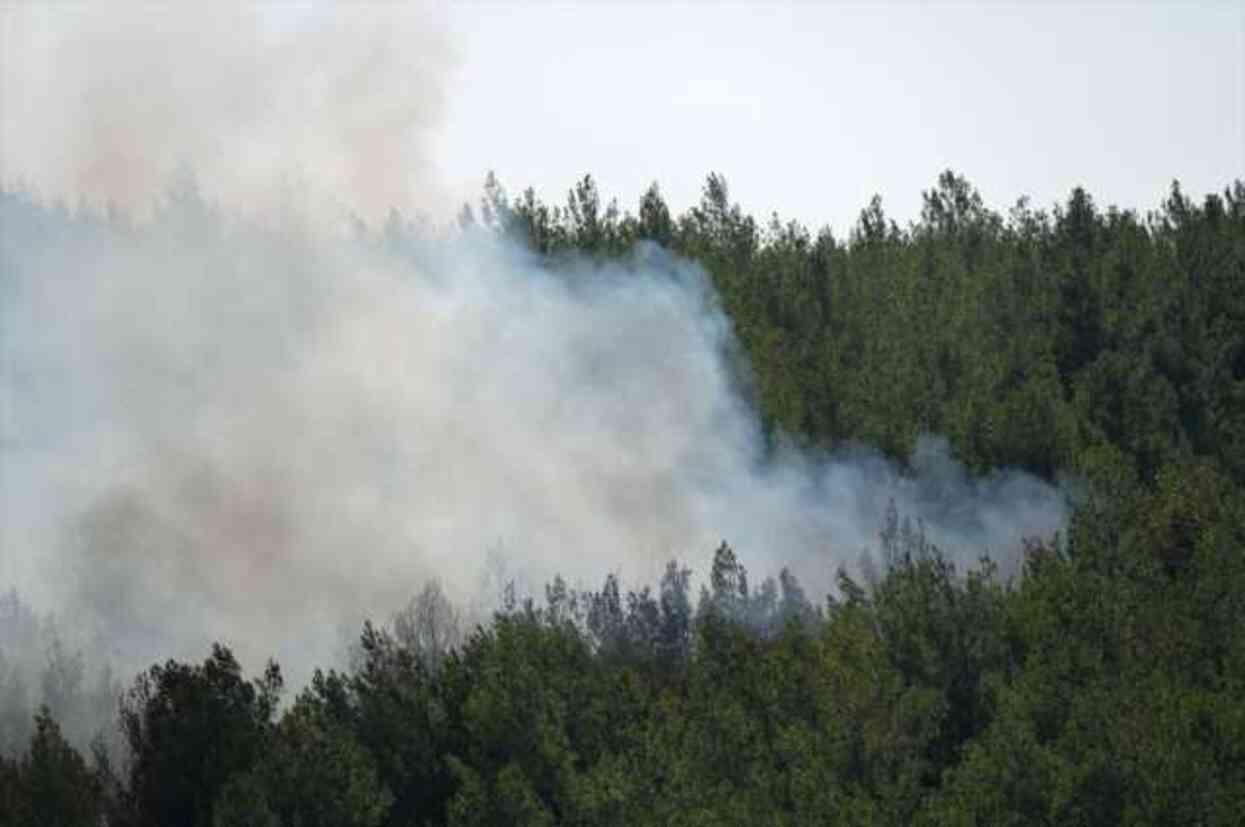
318,108
223,422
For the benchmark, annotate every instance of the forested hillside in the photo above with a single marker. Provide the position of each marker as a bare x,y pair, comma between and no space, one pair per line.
1103,685
1047,340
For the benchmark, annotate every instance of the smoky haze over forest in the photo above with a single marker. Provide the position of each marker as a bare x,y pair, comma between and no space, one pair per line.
230,416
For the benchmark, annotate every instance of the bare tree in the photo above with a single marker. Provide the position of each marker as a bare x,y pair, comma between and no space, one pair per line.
429,626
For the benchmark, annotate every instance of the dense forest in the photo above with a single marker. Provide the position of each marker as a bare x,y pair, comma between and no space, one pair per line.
1102,685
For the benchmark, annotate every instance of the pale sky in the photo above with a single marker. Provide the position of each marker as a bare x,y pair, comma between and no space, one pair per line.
810,109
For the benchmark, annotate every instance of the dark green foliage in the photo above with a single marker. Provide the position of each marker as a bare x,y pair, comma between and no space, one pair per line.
189,729
1102,688
50,785
1031,340
394,705
1102,684
316,773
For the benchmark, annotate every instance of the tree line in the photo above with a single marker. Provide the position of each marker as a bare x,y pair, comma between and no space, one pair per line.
1053,340
1101,686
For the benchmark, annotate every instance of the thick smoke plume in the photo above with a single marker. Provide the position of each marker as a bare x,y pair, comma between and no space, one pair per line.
318,108
222,422
220,430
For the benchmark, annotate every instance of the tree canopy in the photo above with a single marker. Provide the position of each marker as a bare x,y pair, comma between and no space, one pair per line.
1102,685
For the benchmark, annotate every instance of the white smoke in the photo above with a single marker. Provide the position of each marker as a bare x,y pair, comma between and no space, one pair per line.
321,108
223,431
224,423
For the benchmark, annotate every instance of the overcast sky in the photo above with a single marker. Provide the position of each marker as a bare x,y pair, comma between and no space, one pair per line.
809,109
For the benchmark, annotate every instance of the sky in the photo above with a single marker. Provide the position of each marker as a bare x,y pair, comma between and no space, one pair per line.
809,109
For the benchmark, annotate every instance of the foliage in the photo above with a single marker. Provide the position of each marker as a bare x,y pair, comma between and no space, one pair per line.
188,729
1101,685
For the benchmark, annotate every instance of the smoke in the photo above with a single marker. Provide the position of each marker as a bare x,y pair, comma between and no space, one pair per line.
322,108
222,422
218,430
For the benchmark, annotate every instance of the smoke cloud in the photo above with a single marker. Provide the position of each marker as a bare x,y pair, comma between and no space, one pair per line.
215,430
321,108
222,422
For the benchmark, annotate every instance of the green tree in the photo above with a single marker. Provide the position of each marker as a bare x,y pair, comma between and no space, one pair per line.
51,784
189,729
316,774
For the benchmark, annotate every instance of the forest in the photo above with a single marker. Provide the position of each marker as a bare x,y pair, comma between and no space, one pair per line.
1100,684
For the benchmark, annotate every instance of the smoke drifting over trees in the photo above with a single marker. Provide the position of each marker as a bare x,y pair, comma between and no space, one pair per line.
225,423
250,401
220,430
